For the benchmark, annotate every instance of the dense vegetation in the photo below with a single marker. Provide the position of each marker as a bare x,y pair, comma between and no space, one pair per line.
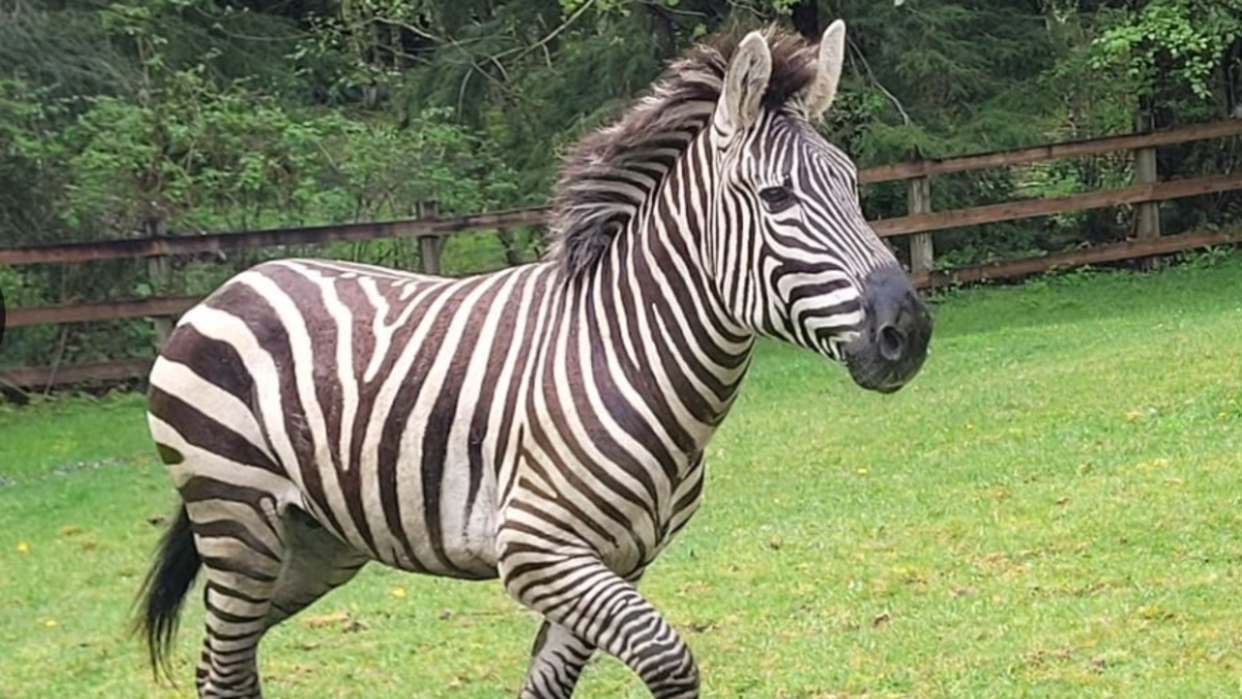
141,117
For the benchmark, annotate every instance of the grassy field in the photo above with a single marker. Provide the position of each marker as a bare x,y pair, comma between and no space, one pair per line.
1053,509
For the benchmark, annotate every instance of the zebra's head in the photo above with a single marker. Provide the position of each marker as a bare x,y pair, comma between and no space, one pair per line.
787,243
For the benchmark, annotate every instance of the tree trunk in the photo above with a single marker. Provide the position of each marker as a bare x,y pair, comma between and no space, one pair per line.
805,16
661,25
513,256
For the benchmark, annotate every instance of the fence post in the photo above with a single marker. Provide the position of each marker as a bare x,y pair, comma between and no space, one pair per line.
512,257
1147,214
159,275
430,247
1149,211
921,251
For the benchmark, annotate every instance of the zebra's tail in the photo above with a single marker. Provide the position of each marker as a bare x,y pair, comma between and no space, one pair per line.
159,601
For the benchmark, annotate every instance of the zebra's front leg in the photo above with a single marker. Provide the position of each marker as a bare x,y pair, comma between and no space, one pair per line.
596,607
556,662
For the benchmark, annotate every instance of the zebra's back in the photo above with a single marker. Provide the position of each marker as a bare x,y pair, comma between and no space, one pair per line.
381,403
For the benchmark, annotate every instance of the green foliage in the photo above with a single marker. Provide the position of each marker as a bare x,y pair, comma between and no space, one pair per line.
189,144
208,115
28,172
1177,60
1182,41
208,159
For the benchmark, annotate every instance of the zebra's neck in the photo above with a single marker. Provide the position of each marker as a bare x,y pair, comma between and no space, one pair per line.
663,327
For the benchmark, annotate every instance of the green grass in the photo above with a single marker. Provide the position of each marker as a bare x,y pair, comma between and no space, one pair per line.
1053,509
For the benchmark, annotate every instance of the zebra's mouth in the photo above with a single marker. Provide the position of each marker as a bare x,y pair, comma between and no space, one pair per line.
892,344
876,374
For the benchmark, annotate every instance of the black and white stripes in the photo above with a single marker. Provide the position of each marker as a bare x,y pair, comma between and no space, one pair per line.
545,424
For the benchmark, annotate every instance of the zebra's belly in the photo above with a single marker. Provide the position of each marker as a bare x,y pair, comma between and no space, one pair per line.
438,522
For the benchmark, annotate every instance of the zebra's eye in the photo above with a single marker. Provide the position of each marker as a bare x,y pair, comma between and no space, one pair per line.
778,198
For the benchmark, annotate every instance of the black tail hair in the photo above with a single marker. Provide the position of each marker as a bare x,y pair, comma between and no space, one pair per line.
159,601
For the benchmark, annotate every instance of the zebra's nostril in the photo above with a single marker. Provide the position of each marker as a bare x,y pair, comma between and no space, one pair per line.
892,343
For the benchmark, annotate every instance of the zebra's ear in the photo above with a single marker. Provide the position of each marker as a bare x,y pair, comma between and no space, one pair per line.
745,83
819,95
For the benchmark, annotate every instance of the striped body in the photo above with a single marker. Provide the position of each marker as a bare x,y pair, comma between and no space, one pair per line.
401,411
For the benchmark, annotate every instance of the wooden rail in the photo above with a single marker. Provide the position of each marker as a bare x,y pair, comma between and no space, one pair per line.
1013,211
119,370
107,310
431,230
1055,151
1100,254
223,243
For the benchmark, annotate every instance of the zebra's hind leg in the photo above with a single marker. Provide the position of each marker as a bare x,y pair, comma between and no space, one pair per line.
556,662
315,563
242,550
261,569
603,609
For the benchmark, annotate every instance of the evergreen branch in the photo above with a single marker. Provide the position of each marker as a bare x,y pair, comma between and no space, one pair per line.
857,54
522,52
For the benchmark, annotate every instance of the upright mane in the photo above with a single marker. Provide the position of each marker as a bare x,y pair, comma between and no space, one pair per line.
605,178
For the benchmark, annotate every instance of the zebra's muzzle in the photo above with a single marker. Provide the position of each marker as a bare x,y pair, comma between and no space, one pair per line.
892,344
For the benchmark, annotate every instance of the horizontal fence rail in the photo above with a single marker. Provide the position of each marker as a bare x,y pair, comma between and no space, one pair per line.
431,230
1054,151
1099,254
118,370
1013,211
222,243
106,310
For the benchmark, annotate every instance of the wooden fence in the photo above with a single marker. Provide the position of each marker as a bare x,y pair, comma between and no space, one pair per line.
432,230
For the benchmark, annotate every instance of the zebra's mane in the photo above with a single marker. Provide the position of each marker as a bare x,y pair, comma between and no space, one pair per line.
605,178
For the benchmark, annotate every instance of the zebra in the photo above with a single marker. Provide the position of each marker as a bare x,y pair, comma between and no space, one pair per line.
543,425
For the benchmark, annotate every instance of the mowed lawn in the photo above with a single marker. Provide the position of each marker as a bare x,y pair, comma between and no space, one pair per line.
1052,509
